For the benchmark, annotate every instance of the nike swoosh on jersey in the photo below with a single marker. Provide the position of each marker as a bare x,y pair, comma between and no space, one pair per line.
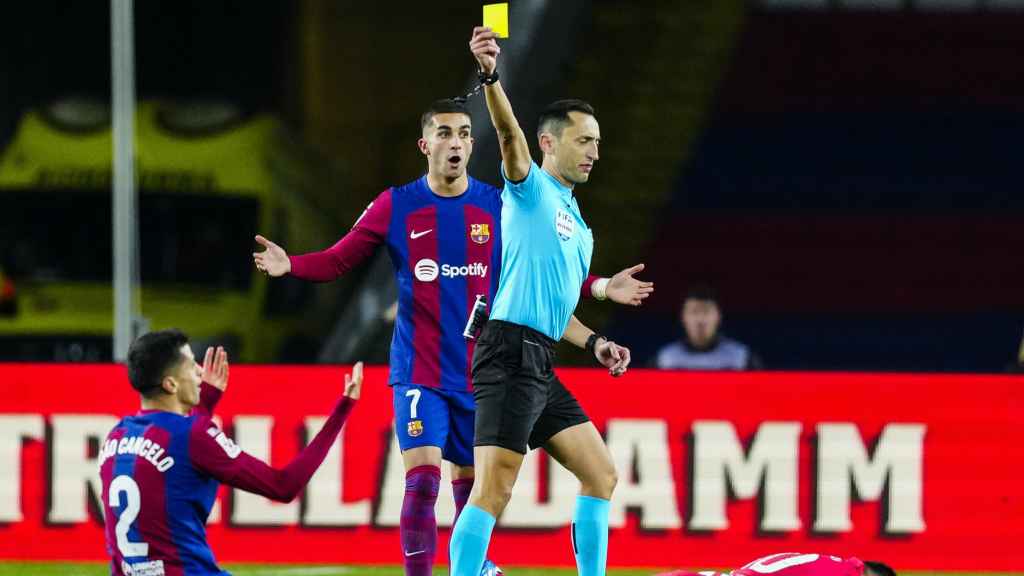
414,234
415,553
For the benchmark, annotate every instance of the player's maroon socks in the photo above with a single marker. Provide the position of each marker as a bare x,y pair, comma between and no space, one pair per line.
418,525
460,490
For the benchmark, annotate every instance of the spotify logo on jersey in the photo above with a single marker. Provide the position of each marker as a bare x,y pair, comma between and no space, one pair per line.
425,270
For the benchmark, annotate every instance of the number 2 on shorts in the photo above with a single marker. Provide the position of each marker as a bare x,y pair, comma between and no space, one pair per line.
415,393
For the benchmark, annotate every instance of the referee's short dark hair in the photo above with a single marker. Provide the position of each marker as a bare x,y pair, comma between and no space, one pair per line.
444,106
151,356
555,117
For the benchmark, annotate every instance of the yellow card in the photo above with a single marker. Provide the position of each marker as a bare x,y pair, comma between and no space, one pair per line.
496,18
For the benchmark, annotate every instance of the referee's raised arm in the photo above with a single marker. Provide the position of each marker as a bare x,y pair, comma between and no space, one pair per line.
515,151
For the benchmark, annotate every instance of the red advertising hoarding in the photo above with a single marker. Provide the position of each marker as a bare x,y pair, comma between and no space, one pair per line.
715,469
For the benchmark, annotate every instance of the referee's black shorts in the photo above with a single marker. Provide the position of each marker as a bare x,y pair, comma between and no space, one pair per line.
520,402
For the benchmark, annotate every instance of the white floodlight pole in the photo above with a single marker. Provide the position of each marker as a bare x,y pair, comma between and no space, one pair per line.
125,216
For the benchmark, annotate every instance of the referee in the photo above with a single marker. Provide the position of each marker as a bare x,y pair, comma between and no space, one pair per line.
520,403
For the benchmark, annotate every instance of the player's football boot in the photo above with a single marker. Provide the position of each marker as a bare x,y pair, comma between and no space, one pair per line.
490,569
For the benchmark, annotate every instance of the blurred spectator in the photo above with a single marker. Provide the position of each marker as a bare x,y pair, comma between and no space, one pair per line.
702,346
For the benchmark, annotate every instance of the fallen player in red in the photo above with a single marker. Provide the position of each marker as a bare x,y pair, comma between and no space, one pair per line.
789,564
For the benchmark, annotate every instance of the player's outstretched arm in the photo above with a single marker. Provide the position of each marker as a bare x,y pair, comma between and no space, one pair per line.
217,455
609,354
369,231
515,151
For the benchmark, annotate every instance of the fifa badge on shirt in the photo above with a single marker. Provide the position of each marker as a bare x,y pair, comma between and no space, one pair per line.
415,428
564,225
480,233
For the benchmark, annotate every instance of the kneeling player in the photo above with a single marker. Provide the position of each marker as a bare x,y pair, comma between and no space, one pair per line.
161,467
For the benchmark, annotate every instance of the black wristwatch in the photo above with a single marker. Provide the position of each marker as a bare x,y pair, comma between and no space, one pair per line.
487,79
592,342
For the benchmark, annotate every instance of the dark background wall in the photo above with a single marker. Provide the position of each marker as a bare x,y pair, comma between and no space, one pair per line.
856,195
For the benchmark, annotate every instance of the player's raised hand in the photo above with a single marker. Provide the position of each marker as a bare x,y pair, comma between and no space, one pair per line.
274,260
613,357
215,368
484,46
354,382
625,289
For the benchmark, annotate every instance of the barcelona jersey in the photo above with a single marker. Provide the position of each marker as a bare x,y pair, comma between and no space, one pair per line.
445,251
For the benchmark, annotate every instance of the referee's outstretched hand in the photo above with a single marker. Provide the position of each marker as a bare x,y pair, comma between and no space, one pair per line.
273,261
613,357
624,289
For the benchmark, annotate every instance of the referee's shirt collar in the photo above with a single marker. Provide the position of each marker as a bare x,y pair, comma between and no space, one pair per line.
562,189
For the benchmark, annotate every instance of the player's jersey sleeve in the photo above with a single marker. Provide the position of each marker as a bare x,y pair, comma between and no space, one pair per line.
215,454
527,191
209,396
369,231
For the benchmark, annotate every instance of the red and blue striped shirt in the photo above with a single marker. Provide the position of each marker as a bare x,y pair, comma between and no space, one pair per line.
160,473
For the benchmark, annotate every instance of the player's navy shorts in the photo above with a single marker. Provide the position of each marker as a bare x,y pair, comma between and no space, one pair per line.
520,402
426,416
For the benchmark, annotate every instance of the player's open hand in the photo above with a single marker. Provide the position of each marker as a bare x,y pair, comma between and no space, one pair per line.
484,46
215,368
613,357
625,289
273,261
354,382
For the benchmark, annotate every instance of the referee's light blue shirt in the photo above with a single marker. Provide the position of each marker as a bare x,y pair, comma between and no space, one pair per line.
545,254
